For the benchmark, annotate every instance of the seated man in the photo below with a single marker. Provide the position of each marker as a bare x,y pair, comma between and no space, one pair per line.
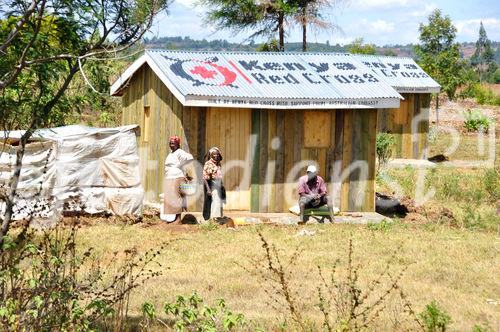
313,193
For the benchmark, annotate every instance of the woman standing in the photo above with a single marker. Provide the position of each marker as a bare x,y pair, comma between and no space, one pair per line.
214,190
173,202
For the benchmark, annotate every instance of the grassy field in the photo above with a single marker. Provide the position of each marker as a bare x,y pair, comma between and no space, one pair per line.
457,268
449,252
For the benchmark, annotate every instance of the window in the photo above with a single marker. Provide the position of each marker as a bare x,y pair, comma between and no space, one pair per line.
317,129
146,124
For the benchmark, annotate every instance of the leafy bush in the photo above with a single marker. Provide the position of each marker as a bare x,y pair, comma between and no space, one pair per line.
384,145
434,318
189,313
475,120
43,286
482,94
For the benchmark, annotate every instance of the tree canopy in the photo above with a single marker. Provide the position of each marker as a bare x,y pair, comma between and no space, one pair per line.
438,53
483,58
44,44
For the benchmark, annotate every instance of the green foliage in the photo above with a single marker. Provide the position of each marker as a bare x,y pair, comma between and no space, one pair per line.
383,226
37,73
496,76
191,314
270,46
482,328
358,47
384,144
482,94
483,57
491,183
390,52
439,55
475,120
263,18
435,319
486,96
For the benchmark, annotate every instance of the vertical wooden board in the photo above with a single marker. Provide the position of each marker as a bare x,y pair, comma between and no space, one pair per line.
254,189
330,151
355,180
321,159
271,202
157,137
370,186
415,130
244,149
263,161
407,144
280,160
425,107
201,138
289,150
185,127
125,98
298,136
162,135
338,158
346,159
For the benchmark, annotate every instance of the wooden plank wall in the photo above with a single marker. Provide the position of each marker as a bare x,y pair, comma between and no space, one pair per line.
283,157
229,130
167,117
411,143
263,179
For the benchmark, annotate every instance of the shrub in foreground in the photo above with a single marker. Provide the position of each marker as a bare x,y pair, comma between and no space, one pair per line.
44,287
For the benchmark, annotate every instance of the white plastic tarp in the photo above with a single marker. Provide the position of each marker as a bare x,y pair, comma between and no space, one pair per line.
74,168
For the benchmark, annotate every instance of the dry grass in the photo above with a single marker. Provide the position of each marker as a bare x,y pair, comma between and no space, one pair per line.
467,149
457,268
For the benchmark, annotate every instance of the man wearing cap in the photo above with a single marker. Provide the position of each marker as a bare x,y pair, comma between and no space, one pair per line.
313,193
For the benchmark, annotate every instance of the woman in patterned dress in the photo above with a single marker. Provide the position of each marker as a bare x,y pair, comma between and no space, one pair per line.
213,188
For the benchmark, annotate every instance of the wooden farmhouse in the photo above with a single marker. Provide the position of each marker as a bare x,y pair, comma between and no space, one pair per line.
271,114
410,122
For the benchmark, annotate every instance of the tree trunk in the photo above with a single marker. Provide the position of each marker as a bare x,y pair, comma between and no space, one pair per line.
14,181
304,29
281,26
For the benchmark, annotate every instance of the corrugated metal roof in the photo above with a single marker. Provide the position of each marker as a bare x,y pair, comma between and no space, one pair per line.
267,80
401,73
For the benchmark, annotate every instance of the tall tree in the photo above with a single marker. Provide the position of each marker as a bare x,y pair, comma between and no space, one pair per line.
44,44
438,53
265,17
310,14
483,57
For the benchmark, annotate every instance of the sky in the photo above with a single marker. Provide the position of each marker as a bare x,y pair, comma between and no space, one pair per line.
381,22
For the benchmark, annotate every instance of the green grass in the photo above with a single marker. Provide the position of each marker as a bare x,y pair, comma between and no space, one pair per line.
455,267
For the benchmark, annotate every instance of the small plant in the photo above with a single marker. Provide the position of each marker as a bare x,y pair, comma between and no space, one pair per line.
345,303
491,183
434,318
384,226
384,145
189,313
475,120
482,328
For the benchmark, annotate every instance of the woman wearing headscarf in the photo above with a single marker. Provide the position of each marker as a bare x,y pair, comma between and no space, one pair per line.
214,190
174,202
